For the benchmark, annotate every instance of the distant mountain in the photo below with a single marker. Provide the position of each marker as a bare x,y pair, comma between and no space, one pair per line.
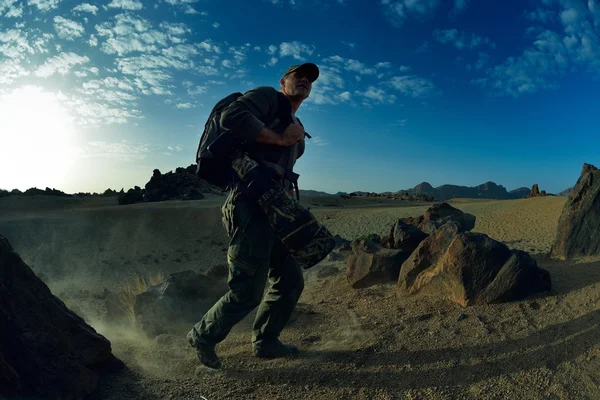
313,193
566,192
488,190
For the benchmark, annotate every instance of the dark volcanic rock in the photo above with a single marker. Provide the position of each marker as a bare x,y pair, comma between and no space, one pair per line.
577,233
407,237
438,215
471,268
45,348
182,299
370,264
535,191
132,196
183,184
340,241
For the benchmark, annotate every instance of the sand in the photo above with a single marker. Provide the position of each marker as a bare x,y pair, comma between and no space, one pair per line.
357,344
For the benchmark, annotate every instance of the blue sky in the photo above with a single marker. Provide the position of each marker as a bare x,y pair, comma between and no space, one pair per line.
98,94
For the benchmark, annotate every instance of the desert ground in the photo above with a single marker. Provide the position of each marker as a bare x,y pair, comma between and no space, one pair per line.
371,343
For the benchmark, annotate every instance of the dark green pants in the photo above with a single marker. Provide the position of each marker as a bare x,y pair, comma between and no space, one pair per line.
254,255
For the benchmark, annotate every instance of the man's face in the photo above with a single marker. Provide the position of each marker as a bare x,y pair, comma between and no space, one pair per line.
297,84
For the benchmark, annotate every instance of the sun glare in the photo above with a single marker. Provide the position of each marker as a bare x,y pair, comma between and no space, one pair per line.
37,147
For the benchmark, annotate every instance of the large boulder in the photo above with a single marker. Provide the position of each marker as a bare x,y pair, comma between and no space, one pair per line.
577,233
182,299
471,268
369,263
438,215
45,348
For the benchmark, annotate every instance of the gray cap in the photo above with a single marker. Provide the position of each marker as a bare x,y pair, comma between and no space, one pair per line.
310,68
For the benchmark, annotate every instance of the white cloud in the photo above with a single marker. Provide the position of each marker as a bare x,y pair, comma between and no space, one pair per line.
553,54
86,7
461,40
193,91
189,10
328,88
272,49
207,70
352,65
318,141
181,51
93,41
398,11
345,96
383,65
120,151
175,29
209,47
6,5
184,106
14,44
60,64
128,34
377,95
185,6
44,5
126,4
413,86
459,7
351,45
295,49
14,12
543,15
67,29
10,71
216,25
404,68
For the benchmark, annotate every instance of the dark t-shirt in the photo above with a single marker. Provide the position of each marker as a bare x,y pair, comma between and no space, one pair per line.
258,108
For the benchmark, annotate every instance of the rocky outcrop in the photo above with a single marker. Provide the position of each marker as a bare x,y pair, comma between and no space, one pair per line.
577,232
438,215
45,349
535,191
471,268
183,184
132,196
181,299
369,263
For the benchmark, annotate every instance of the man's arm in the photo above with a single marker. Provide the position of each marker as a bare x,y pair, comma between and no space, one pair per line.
245,116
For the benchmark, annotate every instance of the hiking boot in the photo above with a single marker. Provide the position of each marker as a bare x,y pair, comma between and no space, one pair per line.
274,349
206,353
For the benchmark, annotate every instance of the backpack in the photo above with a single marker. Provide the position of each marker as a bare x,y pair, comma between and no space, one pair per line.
217,145
215,167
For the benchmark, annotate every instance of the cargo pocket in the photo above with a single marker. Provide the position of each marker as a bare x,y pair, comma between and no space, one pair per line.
250,244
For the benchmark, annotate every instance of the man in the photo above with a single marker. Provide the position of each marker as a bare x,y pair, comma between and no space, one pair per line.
255,253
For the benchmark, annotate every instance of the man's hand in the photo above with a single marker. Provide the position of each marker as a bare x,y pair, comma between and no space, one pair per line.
292,134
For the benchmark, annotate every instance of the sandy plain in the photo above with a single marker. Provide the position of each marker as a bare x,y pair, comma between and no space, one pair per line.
356,344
